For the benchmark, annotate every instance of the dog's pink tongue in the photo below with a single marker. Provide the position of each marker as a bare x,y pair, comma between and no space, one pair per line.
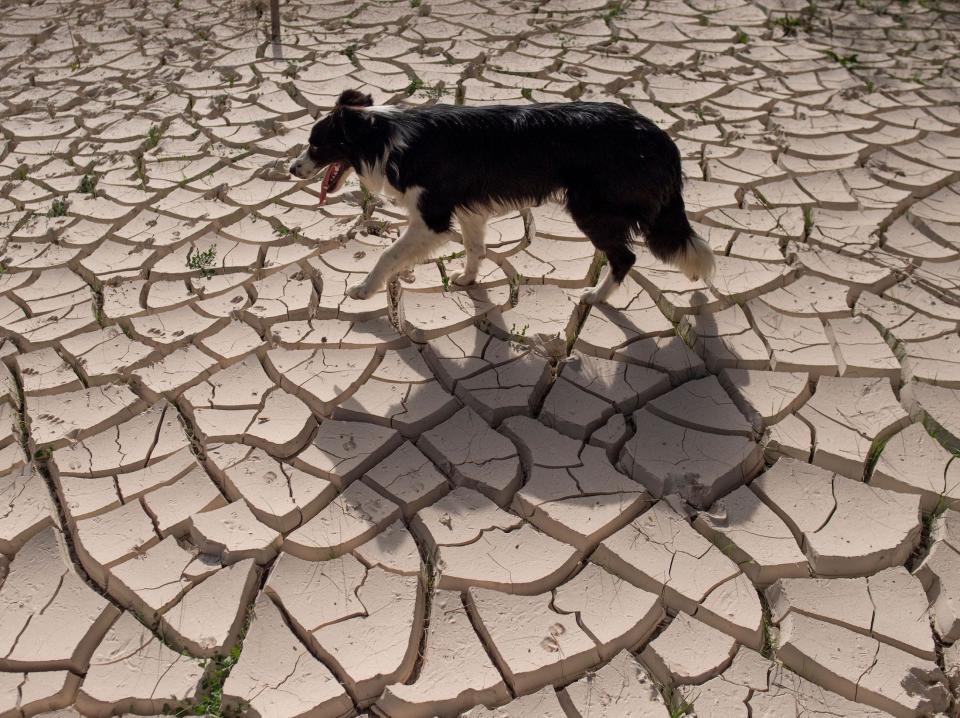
325,185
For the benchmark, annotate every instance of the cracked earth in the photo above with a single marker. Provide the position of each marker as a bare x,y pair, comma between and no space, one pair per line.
226,488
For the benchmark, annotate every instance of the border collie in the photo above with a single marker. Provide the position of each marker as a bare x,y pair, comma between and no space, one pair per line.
616,172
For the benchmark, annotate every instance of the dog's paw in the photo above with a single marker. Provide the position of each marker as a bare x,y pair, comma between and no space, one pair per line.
358,291
591,296
462,278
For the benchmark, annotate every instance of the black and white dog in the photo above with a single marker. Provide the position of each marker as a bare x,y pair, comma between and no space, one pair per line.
617,173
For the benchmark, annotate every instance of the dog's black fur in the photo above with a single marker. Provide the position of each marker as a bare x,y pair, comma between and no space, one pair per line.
616,172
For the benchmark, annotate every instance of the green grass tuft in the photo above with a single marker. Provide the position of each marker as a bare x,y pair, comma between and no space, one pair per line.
153,137
416,84
58,208
210,702
88,184
203,262
847,61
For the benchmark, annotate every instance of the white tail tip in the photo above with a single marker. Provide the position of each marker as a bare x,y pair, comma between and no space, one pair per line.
695,260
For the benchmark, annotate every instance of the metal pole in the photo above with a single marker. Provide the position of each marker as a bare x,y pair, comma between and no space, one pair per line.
275,20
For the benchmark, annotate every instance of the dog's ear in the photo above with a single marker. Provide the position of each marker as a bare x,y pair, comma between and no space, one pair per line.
354,123
354,98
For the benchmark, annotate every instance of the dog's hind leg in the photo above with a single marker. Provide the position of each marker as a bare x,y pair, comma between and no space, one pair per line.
610,233
671,239
619,261
416,242
472,227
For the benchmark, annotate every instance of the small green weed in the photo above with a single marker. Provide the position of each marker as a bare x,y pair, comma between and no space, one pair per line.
203,262
350,51
416,3
677,704
807,221
615,10
519,336
58,208
88,184
769,647
43,453
210,702
935,513
742,37
20,173
416,84
789,24
527,94
515,283
366,200
847,61
153,137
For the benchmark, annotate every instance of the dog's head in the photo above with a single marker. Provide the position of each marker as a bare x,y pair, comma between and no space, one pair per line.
331,139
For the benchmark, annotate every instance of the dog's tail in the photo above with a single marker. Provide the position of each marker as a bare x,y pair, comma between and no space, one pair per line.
672,240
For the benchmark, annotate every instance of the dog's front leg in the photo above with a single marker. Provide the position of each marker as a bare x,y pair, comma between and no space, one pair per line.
416,242
472,227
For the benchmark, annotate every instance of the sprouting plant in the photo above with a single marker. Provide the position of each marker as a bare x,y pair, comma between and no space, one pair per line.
43,453
210,702
88,184
20,173
527,94
153,137
350,51
769,647
807,221
519,336
935,513
615,10
366,201
789,24
870,85
282,231
515,283
677,704
415,85
742,37
847,61
203,261
58,208
415,3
